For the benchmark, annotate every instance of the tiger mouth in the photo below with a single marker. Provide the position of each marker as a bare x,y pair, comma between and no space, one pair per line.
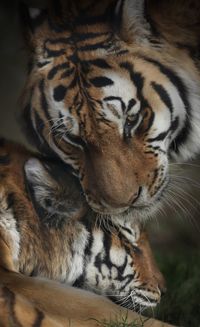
138,300
122,211
137,209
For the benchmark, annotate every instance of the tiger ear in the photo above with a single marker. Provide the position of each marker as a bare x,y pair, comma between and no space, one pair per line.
30,18
131,21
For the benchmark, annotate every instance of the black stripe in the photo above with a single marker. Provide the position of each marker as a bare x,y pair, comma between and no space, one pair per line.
63,40
55,53
131,104
101,81
79,37
174,125
183,92
159,137
33,132
40,317
42,64
74,82
52,73
155,148
43,100
67,73
174,79
129,125
28,128
136,78
112,98
101,63
52,52
75,140
86,221
59,93
92,47
10,301
10,200
163,94
140,129
39,123
138,81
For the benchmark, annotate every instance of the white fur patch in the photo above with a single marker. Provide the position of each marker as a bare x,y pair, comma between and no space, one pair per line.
8,224
117,256
77,262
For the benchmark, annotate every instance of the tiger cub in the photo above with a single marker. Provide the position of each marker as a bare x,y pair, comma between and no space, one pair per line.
51,232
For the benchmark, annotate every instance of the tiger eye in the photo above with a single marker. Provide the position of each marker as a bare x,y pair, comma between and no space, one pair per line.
131,121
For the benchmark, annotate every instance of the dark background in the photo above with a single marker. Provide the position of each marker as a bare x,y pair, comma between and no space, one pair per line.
175,233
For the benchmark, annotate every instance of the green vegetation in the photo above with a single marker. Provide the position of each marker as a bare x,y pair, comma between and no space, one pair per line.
181,304
122,322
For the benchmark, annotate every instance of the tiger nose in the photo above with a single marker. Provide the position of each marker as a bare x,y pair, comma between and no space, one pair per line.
118,202
136,195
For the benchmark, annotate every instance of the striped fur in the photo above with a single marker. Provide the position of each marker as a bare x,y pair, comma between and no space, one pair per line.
49,231
113,90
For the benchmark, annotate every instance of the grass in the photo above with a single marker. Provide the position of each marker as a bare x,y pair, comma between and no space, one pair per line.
122,322
181,304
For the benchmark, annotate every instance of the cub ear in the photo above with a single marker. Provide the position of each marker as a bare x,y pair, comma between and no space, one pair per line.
131,21
30,19
37,175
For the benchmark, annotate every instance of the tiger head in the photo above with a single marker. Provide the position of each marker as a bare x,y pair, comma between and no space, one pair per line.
102,96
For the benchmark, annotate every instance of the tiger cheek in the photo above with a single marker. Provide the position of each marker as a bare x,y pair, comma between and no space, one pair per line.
148,266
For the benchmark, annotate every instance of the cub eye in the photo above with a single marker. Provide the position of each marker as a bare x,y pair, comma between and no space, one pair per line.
130,123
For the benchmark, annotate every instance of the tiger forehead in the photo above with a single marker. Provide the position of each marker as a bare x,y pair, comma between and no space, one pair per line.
101,79
79,40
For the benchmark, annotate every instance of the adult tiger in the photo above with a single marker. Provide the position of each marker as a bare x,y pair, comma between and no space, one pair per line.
113,90
47,230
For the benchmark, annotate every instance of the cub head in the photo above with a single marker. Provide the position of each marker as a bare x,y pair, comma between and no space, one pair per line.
112,260
99,96
119,264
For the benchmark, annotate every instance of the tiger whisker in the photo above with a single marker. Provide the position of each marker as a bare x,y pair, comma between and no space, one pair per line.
183,164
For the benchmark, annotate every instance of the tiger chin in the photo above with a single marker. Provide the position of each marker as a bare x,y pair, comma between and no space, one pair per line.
113,90
50,232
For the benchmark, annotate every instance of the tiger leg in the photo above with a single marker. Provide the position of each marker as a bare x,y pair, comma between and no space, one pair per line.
16,311
68,306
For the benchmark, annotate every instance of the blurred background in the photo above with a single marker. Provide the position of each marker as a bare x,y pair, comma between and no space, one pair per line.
175,233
